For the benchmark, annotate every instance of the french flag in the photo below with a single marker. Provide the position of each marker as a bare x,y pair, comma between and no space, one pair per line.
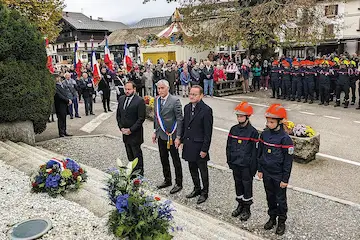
77,61
49,63
96,69
107,59
127,59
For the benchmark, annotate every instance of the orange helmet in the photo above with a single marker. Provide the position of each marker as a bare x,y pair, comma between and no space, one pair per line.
295,63
276,111
244,109
275,62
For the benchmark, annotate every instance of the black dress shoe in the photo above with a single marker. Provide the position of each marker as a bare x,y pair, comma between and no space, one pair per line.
61,136
71,117
202,199
110,110
193,194
164,185
237,211
176,189
77,116
105,111
68,135
92,114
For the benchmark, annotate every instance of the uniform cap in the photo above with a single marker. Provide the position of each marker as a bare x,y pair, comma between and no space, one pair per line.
285,63
296,63
275,62
276,111
244,109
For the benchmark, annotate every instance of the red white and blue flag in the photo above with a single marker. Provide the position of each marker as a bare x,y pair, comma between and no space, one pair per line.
127,59
49,63
107,59
77,61
95,66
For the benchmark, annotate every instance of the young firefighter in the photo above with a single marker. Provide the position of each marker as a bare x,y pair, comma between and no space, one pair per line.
286,81
324,83
241,153
275,79
343,84
353,78
274,165
297,75
309,82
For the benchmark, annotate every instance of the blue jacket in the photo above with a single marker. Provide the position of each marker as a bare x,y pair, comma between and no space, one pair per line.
185,79
275,157
241,148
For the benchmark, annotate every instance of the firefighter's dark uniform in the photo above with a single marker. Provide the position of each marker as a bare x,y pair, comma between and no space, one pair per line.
297,76
324,85
275,162
286,83
333,82
275,74
309,84
343,84
354,76
241,153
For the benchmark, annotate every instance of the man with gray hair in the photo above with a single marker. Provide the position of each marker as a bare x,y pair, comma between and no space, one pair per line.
168,120
70,84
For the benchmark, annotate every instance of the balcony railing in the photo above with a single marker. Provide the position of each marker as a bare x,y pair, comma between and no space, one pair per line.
83,49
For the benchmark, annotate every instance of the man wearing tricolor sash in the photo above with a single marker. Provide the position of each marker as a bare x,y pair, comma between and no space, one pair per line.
168,120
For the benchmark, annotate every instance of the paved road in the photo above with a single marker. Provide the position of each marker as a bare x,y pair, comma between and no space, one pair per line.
338,138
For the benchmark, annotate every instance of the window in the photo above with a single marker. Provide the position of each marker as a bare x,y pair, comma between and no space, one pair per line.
85,46
329,31
68,45
331,10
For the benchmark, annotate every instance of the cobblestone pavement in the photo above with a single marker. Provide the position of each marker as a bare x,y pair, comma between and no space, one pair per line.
309,217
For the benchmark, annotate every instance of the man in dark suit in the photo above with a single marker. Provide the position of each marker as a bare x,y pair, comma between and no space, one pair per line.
130,117
62,100
167,132
104,89
196,139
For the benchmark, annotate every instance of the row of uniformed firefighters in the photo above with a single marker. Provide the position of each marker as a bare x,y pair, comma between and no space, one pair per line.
270,154
321,79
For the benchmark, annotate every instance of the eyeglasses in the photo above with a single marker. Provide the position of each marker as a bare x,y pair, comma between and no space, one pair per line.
194,94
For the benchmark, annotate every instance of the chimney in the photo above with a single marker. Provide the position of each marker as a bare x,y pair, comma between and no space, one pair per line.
100,19
90,17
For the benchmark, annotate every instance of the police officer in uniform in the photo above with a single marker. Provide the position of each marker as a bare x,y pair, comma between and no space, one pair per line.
241,154
274,165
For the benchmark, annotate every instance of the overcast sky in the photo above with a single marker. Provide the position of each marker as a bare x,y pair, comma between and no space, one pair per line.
126,11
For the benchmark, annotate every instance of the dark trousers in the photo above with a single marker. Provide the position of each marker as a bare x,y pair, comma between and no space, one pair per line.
194,168
61,123
286,89
88,105
256,82
339,89
243,185
296,88
317,89
164,157
309,89
133,152
275,86
353,90
106,103
276,198
324,93
332,91
74,105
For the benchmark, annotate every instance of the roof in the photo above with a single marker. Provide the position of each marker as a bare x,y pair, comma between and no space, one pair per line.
131,35
153,22
81,21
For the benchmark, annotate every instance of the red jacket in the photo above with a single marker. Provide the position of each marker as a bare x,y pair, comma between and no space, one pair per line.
219,74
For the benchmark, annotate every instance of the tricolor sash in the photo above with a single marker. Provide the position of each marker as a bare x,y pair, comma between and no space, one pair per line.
162,125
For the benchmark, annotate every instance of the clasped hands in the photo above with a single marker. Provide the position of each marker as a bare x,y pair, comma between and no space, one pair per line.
125,131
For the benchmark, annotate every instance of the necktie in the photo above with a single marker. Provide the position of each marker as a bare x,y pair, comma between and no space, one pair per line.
126,102
192,111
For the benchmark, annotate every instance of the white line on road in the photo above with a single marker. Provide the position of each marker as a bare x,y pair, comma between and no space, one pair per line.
308,113
331,117
337,159
318,154
356,121
237,97
93,124
237,101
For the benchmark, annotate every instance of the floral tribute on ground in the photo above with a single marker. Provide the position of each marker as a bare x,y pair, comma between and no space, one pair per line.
58,177
138,215
299,130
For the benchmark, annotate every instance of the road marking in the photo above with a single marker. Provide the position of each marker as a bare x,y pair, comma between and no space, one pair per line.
298,189
331,117
356,121
308,113
221,129
318,154
338,159
237,97
251,103
93,124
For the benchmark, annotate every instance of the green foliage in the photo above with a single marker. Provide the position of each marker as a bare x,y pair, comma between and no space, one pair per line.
26,86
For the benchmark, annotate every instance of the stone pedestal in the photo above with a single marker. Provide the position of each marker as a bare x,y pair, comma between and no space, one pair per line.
149,112
18,132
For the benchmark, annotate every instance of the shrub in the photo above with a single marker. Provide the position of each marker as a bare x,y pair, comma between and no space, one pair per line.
26,86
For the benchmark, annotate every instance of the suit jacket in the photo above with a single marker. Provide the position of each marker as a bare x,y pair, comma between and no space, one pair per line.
132,117
208,72
170,112
61,100
197,131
